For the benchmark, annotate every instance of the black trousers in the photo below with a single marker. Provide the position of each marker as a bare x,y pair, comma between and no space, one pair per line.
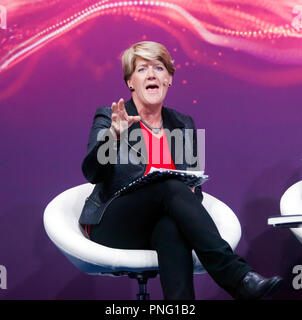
167,216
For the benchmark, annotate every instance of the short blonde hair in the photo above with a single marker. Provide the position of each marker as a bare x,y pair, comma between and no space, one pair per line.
147,50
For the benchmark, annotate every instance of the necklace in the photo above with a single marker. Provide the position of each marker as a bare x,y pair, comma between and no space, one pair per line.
155,130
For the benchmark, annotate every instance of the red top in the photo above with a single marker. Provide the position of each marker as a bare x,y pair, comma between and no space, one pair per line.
159,155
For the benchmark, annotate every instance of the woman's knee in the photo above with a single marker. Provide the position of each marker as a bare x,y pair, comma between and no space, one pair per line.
166,231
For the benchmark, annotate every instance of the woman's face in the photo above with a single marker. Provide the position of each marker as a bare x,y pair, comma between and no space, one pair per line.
150,81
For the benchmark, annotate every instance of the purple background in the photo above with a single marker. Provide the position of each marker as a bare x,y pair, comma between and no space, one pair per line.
253,154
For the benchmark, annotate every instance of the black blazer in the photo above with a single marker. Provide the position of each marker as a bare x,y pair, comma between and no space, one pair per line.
109,178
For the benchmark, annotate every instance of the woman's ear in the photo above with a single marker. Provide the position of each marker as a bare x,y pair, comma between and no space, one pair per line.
129,85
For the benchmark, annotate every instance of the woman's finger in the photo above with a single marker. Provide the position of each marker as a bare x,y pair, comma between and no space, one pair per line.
121,105
122,109
114,107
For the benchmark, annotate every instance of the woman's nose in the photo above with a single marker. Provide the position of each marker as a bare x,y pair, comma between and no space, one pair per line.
150,72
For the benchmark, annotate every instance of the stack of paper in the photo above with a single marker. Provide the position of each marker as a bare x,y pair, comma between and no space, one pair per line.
190,178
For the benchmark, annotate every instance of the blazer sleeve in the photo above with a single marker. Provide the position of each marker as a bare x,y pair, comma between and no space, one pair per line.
92,170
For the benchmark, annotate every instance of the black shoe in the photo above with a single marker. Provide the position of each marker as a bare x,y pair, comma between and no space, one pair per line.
253,286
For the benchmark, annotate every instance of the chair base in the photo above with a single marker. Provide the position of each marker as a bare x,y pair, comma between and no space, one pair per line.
142,278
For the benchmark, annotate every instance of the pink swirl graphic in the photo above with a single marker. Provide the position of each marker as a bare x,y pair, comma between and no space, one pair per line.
268,30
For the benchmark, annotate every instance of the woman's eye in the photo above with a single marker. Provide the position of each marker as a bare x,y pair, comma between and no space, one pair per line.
140,69
159,68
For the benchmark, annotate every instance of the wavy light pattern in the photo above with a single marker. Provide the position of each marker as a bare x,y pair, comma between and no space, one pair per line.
268,29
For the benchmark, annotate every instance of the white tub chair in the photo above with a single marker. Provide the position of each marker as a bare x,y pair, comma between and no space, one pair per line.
291,206
61,224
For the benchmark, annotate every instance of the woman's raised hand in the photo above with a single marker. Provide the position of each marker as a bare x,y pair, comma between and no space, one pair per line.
120,119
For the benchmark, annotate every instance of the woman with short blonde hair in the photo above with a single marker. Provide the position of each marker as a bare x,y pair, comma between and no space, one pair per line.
163,215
